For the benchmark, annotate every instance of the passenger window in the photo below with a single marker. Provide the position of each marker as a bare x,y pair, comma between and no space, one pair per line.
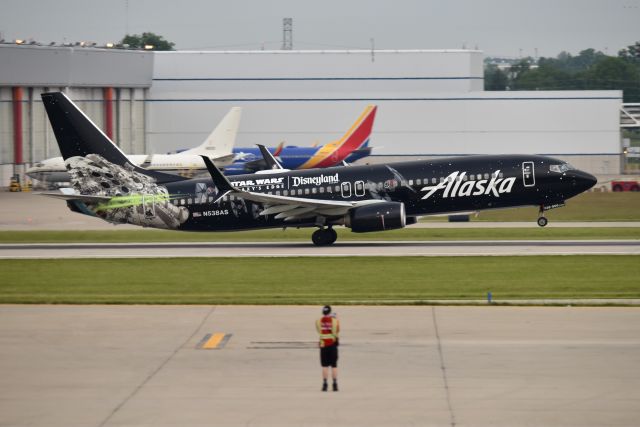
486,176
306,191
410,182
314,190
418,181
336,188
434,180
285,192
321,189
346,189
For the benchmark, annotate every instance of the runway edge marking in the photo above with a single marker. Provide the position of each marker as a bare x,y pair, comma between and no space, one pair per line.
214,341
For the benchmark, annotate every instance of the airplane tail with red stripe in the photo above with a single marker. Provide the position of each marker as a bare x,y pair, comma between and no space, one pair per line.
356,137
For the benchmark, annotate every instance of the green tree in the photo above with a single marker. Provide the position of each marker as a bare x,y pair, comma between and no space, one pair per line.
631,53
495,78
136,41
618,74
545,77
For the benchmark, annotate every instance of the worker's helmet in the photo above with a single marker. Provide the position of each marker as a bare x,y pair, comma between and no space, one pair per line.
326,309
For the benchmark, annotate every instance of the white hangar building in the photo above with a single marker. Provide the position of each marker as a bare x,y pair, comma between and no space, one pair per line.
431,103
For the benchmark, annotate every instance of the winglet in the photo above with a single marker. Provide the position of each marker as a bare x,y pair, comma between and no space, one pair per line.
272,162
219,180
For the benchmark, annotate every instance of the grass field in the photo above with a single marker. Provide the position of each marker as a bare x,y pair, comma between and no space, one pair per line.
369,280
121,236
624,206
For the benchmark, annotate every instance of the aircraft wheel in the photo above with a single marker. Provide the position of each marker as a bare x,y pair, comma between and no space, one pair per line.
542,221
333,236
324,237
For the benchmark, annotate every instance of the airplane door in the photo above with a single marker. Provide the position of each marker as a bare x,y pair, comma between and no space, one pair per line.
345,188
528,174
359,188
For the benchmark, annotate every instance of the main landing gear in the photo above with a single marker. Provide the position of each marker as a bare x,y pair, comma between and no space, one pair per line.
542,220
324,236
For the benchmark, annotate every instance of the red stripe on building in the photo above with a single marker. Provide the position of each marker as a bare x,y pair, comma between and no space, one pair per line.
17,125
108,111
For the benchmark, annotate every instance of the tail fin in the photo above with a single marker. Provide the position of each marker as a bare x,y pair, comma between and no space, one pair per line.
220,142
278,149
77,135
335,152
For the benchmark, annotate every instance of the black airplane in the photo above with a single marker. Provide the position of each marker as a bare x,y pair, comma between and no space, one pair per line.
363,198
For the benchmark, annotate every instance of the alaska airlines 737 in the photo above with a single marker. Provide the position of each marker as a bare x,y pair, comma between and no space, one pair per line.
363,198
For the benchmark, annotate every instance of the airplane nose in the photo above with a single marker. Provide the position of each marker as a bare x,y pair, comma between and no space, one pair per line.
583,180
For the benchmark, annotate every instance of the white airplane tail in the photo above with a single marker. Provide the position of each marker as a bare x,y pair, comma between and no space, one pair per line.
220,142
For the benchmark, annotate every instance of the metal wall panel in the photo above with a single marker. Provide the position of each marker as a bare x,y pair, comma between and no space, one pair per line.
74,66
430,103
138,144
6,126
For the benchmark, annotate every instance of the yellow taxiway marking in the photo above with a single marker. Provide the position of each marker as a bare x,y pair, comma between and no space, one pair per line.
213,341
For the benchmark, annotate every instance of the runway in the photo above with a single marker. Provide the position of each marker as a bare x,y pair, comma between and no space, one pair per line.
347,248
108,366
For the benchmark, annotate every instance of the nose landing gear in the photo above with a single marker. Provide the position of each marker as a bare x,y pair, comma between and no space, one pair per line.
542,220
324,236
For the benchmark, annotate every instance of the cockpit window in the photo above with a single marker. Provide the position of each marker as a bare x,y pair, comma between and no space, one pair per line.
562,168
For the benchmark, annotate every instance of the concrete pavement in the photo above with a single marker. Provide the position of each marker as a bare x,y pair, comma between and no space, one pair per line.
475,366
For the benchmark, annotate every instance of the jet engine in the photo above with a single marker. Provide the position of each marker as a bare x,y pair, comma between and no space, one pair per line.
376,217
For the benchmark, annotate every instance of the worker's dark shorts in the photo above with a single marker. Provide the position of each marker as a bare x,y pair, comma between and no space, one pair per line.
329,356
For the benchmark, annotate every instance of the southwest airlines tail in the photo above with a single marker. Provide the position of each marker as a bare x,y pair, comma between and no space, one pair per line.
335,152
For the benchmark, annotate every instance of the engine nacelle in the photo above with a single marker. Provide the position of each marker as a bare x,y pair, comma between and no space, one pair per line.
377,217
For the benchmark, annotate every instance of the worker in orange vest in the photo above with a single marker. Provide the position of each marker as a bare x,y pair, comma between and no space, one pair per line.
329,328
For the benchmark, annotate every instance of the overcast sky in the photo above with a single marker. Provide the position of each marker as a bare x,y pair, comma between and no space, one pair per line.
498,27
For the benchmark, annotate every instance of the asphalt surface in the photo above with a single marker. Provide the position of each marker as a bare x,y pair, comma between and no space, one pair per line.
85,366
286,249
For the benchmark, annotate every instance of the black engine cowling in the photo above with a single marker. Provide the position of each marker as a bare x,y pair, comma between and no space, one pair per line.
377,217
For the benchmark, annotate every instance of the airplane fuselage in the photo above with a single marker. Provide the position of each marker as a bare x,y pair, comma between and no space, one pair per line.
424,188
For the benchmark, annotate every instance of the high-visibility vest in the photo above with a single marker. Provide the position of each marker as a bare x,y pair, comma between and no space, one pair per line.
328,328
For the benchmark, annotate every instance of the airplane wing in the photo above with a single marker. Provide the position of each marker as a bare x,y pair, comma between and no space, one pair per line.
285,207
290,208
